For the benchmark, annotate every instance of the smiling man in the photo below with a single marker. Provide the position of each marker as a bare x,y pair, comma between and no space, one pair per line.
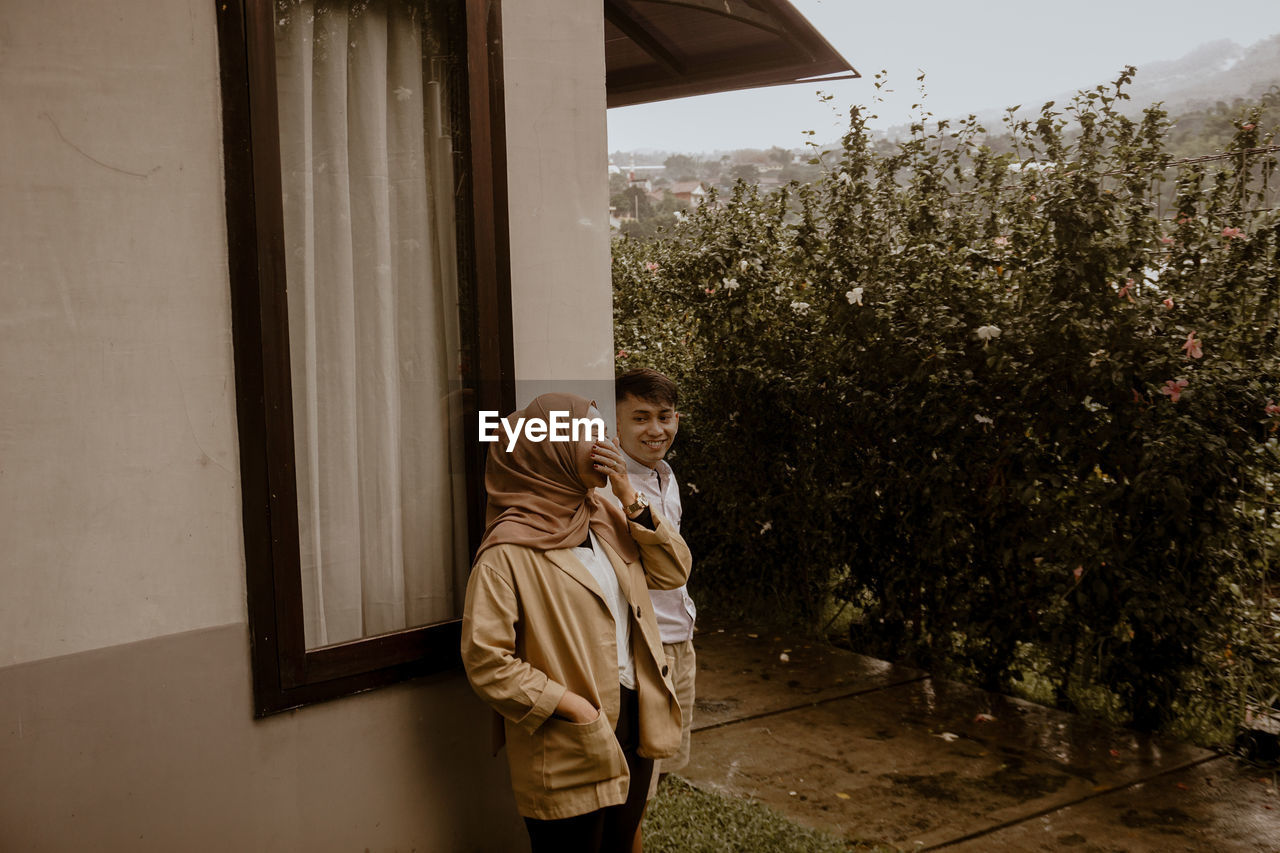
647,424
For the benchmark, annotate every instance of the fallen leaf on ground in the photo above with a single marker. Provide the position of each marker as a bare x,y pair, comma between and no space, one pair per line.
948,736
754,636
984,718
784,657
842,795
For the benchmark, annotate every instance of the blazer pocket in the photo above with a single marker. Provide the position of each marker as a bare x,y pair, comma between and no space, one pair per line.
580,753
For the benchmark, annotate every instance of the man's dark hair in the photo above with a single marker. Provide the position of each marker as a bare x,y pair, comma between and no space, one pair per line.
645,383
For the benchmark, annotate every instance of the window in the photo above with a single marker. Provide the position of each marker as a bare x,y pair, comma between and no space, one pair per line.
365,185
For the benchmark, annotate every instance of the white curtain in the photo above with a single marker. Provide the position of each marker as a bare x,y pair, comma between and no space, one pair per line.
373,315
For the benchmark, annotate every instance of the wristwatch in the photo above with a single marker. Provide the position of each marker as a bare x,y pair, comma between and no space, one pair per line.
637,507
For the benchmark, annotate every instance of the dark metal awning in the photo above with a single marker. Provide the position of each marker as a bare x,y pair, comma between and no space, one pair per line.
659,49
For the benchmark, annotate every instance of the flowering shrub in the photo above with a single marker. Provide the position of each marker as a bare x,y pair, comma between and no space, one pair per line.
1009,407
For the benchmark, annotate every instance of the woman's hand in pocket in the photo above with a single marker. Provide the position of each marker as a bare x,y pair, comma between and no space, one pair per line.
576,709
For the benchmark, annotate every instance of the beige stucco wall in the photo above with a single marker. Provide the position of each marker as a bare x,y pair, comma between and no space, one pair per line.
119,500
150,746
125,715
559,197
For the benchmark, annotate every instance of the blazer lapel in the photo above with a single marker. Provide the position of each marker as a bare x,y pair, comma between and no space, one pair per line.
572,566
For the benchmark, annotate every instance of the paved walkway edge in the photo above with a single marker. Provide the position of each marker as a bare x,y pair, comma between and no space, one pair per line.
985,831
823,701
1051,809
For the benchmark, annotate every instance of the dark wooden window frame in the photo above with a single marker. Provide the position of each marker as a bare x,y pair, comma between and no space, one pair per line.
285,674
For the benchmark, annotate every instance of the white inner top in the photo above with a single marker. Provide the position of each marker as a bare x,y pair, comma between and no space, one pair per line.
602,570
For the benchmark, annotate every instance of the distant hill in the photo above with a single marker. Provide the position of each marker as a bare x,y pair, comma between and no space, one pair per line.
1214,73
1200,91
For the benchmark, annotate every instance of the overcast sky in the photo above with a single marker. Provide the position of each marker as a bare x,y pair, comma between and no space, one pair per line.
978,56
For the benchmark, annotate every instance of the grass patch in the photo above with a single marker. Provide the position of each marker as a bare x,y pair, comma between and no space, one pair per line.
683,819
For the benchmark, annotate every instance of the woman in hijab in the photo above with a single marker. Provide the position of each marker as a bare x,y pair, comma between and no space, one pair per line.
558,635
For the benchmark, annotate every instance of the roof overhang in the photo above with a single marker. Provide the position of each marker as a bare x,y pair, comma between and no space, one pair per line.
660,49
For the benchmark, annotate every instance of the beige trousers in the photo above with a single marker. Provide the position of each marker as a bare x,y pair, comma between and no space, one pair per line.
684,669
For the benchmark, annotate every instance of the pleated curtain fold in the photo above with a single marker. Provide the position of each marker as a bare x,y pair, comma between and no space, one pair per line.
367,174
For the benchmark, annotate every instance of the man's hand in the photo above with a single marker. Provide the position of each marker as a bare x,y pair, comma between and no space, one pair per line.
608,459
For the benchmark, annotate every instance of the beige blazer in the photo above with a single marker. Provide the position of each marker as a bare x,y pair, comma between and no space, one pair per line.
536,623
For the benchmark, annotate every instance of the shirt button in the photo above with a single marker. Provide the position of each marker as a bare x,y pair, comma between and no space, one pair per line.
664,670
638,616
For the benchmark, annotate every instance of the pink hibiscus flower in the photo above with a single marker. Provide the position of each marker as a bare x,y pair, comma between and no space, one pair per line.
1173,390
1191,346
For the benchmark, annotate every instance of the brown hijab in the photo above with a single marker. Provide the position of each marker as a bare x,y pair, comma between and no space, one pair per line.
541,494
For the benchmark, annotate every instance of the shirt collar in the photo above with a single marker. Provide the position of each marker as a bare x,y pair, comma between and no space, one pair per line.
643,471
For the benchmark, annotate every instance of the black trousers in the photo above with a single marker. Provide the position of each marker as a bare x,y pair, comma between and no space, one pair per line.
611,829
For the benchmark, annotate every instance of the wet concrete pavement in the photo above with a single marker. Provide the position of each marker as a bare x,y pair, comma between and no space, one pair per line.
877,752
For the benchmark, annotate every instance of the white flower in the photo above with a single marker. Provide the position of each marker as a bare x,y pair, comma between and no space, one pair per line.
986,333
744,265
845,178
983,419
730,283
800,308
766,527
691,487
854,296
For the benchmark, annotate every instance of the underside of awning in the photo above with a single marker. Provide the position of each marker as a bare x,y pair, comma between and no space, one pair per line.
659,49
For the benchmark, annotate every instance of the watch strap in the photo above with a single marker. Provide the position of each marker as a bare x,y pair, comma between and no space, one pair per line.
640,503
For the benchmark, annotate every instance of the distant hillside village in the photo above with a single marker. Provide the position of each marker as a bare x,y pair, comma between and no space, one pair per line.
654,191
645,196
1205,93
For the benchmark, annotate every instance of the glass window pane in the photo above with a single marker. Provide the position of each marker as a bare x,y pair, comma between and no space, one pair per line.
368,196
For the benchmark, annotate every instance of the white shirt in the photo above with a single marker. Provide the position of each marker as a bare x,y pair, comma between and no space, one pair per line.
602,570
674,608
